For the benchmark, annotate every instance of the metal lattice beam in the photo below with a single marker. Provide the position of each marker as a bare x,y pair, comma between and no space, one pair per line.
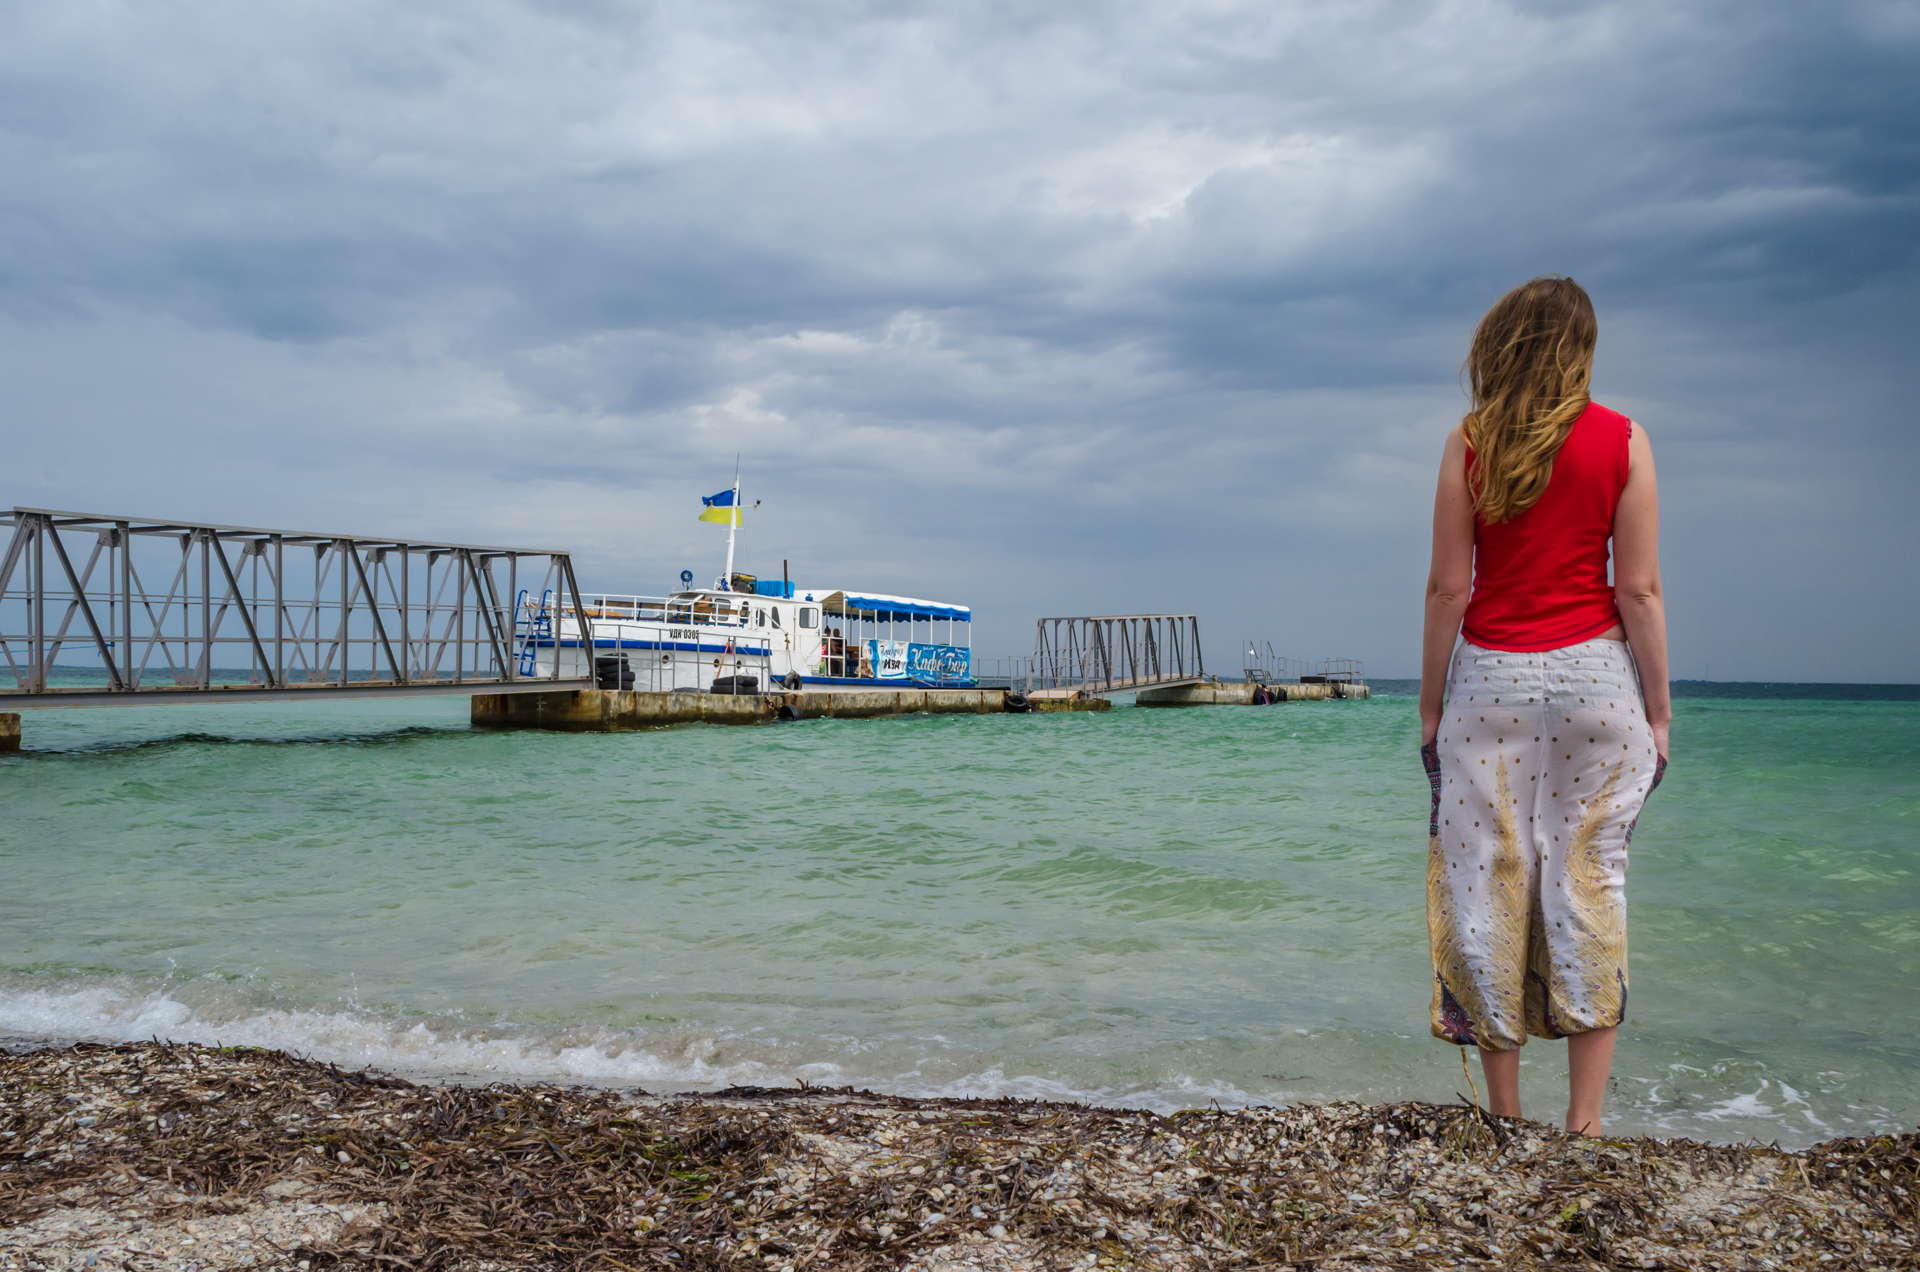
1097,655
242,618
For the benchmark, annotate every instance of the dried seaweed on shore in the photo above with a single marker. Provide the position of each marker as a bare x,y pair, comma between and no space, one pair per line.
395,1175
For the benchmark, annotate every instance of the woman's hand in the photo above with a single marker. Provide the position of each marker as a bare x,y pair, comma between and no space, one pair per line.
1430,728
1660,742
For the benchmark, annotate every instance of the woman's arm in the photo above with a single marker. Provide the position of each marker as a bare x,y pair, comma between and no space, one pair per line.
1448,580
1636,581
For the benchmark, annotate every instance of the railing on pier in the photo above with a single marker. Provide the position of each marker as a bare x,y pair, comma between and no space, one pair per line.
1114,653
1003,673
1267,666
1343,677
1349,671
149,610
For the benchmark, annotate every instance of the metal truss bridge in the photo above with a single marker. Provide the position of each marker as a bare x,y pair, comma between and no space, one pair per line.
145,610
1100,655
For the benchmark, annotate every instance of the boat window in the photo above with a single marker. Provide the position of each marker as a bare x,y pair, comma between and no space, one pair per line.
809,616
775,612
759,618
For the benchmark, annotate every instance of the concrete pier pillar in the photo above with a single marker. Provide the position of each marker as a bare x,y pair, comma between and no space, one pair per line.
1229,694
1072,704
9,731
1240,694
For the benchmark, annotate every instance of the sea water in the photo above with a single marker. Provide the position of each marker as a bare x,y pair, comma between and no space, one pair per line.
1164,908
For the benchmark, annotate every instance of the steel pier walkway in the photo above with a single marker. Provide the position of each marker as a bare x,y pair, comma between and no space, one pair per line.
249,614
1101,655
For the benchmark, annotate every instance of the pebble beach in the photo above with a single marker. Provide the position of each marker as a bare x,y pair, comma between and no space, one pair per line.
152,1155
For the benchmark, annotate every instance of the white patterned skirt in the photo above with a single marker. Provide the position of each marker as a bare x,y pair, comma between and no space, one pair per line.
1540,769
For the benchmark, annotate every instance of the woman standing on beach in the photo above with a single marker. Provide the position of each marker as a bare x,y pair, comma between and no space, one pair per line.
1553,726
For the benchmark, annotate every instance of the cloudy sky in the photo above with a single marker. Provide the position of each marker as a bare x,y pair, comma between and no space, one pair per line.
1119,308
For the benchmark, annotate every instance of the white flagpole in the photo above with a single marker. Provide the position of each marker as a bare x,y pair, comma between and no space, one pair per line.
733,523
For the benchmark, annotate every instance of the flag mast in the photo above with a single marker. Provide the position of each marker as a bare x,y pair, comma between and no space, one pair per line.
733,524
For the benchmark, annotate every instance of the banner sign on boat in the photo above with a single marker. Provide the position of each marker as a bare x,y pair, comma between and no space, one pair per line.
935,664
939,663
889,658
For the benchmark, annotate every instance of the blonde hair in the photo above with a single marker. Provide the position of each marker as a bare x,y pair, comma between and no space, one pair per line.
1530,367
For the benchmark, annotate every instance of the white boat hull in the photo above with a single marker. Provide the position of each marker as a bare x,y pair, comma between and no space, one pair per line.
685,642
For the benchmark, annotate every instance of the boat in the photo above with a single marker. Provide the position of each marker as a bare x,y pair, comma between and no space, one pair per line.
746,634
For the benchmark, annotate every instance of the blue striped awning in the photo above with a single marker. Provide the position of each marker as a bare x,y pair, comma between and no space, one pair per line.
880,605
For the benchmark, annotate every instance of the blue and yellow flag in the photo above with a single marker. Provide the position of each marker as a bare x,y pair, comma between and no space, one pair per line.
721,510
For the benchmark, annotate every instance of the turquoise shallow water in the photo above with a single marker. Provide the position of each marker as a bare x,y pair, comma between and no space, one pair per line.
1150,907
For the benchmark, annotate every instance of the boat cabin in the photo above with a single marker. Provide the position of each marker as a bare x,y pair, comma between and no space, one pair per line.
780,636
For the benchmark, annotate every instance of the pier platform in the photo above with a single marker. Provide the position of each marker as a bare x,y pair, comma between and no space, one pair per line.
608,710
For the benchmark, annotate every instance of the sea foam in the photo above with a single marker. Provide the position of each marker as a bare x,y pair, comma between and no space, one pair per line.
688,1059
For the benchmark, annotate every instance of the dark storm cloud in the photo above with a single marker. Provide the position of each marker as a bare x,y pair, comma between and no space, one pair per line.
1094,307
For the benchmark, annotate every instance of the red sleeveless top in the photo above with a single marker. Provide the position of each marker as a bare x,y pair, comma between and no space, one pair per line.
1540,580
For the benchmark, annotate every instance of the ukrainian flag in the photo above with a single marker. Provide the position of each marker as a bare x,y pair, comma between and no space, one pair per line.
721,509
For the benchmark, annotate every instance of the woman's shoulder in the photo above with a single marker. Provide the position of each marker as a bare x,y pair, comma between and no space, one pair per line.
1617,436
1629,428
1602,427
1612,420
